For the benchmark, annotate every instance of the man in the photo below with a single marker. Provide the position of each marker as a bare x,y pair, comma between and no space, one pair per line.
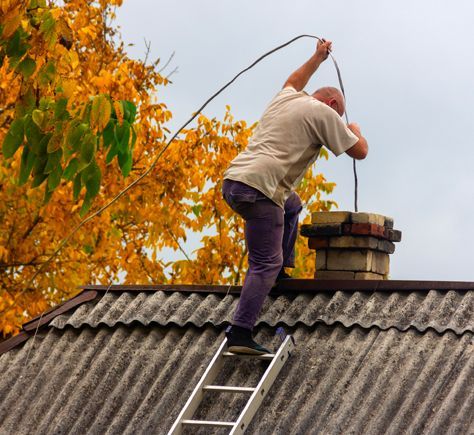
259,184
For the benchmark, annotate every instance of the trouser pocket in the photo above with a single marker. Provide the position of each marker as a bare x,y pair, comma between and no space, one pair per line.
240,196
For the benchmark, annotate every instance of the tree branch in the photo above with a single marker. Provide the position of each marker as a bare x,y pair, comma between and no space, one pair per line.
35,222
179,245
167,63
171,73
147,52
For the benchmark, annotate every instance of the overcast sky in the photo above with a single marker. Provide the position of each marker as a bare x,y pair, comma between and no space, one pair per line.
408,72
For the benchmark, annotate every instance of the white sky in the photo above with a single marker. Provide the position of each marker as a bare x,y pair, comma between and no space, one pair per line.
408,72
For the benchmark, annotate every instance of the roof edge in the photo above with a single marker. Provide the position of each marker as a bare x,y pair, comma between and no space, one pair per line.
37,322
290,286
45,318
14,341
298,286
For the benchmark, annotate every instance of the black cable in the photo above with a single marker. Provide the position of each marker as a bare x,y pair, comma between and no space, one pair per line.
356,182
160,153
235,78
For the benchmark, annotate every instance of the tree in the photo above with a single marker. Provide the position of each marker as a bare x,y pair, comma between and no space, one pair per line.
79,120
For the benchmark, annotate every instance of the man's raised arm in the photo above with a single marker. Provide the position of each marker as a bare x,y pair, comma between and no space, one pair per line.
301,76
360,149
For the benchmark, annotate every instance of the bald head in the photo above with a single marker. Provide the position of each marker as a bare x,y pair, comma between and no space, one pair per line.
332,97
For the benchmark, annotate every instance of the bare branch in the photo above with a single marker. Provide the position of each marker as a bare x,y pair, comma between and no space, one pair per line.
171,73
35,222
179,245
167,63
147,52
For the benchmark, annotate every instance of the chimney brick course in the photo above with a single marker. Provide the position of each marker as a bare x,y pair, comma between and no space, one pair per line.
351,245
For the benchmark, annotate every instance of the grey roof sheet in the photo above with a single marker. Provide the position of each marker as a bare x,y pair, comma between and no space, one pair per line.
135,379
439,310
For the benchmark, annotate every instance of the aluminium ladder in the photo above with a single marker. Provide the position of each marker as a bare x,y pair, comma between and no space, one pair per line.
277,361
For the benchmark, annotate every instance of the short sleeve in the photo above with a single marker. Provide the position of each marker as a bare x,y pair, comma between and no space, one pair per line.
331,131
288,90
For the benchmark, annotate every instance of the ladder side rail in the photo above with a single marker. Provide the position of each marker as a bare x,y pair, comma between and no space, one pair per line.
263,386
196,397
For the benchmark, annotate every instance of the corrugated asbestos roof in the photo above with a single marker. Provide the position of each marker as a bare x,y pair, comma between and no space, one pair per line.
136,379
441,311
365,363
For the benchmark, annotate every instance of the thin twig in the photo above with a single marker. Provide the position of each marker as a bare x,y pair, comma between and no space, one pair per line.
179,245
167,63
147,52
171,73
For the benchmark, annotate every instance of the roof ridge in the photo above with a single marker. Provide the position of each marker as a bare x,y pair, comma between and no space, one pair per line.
89,293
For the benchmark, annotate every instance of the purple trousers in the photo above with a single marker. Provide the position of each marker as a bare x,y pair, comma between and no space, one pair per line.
270,234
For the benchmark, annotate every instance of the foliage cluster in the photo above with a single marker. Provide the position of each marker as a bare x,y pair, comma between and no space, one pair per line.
77,116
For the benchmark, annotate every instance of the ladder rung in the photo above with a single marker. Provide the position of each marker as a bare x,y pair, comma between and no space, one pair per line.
265,356
228,389
209,423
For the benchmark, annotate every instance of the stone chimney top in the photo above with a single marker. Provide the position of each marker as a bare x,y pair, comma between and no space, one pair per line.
351,245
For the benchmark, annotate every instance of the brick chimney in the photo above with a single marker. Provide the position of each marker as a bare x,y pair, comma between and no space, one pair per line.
351,245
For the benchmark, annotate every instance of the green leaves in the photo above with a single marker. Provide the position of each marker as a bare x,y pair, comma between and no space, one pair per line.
129,111
122,136
196,209
108,134
32,131
27,162
14,138
125,162
76,132
38,171
48,28
71,169
47,74
26,67
88,149
60,146
38,117
54,160
54,178
16,47
60,110
90,177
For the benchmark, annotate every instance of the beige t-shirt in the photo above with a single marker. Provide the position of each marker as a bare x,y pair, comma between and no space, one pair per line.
286,142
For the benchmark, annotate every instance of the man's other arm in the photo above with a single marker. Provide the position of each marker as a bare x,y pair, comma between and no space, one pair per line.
301,76
360,149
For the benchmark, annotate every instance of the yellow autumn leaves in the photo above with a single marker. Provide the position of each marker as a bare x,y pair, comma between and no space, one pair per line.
101,110
11,16
181,196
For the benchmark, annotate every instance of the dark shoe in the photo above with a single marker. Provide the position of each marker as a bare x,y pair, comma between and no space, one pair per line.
282,275
239,340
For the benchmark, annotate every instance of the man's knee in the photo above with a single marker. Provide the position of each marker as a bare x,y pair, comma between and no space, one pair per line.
266,264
